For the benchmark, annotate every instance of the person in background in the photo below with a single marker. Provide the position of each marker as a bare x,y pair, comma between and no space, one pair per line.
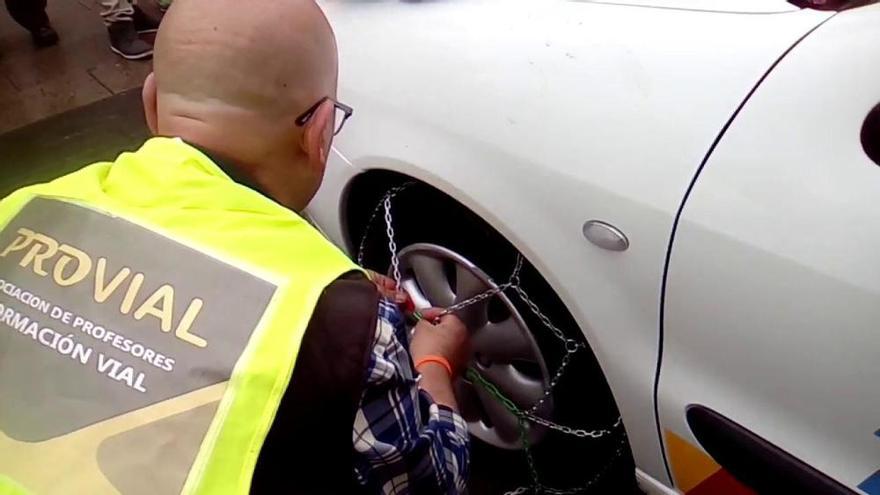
125,24
31,15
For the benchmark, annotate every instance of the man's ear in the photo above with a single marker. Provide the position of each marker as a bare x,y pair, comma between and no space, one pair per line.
317,136
151,103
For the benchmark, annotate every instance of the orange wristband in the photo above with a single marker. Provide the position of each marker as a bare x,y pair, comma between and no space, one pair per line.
442,361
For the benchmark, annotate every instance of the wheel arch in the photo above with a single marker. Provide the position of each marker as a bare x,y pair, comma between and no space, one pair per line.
363,192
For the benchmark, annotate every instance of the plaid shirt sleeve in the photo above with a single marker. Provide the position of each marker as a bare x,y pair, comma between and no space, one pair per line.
404,442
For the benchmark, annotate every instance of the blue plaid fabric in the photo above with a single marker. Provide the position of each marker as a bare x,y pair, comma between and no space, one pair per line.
404,442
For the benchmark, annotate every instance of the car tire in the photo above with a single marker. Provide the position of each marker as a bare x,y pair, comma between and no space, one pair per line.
582,399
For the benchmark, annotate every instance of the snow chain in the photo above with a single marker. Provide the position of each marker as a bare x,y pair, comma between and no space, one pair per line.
525,416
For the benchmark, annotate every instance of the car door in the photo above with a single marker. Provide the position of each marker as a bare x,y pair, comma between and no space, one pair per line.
771,326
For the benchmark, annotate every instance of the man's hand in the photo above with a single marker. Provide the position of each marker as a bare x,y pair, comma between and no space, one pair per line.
449,339
388,288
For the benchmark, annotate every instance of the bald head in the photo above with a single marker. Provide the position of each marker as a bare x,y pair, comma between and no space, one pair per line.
268,56
232,76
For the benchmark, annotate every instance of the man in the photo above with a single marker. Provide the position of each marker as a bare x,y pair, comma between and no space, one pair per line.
31,15
152,309
125,24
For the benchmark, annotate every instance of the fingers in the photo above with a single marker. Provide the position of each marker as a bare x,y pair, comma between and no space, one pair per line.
436,317
432,314
448,319
388,288
398,296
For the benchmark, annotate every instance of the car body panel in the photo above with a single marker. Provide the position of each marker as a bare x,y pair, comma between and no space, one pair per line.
773,294
539,116
731,6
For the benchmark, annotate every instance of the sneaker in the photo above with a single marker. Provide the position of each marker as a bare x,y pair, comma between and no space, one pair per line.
143,23
124,41
44,36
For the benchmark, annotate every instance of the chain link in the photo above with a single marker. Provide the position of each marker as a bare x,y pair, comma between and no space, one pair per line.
508,404
517,269
389,195
475,377
482,296
553,382
512,281
595,434
545,320
527,451
392,245
580,489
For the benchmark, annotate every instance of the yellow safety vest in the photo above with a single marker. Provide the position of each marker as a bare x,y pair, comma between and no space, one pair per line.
151,311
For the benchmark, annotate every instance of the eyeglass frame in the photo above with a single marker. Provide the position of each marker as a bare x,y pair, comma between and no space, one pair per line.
347,112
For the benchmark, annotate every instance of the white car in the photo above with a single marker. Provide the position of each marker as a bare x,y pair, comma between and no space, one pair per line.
695,188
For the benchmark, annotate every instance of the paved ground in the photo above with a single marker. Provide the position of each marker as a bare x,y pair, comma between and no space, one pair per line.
64,143
35,84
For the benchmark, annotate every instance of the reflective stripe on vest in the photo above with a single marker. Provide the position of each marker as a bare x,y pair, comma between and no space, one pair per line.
151,311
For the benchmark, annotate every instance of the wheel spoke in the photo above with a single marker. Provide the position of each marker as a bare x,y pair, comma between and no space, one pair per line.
466,394
467,284
504,423
503,342
411,286
475,315
521,389
488,434
433,280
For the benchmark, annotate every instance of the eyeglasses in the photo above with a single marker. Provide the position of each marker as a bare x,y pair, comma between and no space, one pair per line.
343,113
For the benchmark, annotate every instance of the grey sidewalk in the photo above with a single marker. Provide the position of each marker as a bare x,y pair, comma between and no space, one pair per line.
35,84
